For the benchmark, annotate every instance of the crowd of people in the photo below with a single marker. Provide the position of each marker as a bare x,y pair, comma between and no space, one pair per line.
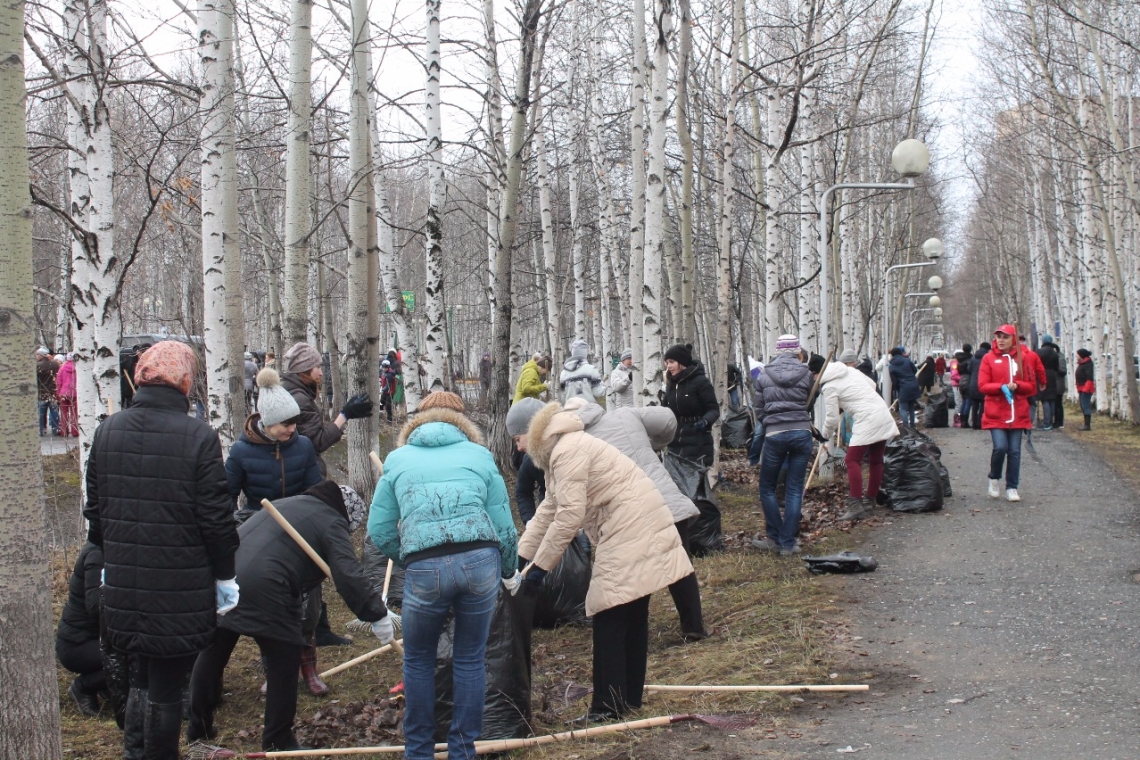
181,559
56,393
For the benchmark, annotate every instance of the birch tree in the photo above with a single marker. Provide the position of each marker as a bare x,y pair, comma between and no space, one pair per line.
654,252
435,339
298,186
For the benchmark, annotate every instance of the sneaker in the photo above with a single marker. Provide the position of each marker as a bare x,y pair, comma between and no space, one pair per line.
765,544
995,488
791,551
1011,495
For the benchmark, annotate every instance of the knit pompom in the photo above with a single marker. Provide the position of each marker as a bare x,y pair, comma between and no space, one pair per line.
267,378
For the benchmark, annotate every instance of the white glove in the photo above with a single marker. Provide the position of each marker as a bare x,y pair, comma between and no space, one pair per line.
384,630
829,447
512,584
227,594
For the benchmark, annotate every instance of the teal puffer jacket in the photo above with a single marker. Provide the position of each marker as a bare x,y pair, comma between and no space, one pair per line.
441,486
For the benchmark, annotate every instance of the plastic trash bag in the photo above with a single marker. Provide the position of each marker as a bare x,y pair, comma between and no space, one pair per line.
705,535
562,598
937,412
912,474
736,428
931,447
844,562
506,709
376,566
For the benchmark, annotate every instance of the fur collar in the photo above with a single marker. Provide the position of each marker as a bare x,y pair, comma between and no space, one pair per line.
466,426
545,430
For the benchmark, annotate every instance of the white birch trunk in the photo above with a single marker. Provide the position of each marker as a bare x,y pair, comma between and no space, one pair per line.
496,177
654,252
435,338
298,183
549,259
637,218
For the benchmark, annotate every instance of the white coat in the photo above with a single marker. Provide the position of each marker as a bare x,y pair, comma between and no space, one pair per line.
847,387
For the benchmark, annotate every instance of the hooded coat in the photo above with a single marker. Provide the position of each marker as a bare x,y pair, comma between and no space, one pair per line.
580,379
441,486
975,365
158,505
530,383
621,386
273,571
590,485
639,433
781,395
999,368
79,622
904,378
691,397
264,468
312,424
848,388
1051,363
1085,377
65,380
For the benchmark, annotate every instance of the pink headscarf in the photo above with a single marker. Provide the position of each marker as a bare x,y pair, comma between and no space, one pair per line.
168,362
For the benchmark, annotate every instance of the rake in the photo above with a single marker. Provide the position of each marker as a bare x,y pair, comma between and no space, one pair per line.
201,751
357,624
650,688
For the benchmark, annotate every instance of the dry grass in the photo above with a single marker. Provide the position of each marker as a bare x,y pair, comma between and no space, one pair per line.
772,622
1115,441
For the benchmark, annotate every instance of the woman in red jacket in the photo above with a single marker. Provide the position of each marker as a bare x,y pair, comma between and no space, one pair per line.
1006,377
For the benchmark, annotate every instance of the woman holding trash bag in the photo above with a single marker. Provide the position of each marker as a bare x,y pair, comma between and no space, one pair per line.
593,486
690,395
274,573
442,509
1085,379
158,506
639,433
1007,379
848,388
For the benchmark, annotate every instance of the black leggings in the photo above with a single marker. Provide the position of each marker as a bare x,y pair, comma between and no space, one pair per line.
282,664
621,647
164,677
85,660
687,592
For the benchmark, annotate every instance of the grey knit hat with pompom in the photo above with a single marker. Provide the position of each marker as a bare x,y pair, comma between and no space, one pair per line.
274,403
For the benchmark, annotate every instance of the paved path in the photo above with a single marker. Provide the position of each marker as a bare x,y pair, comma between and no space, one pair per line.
51,445
994,630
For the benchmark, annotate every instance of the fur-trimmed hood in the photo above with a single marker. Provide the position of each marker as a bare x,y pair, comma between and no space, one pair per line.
545,429
428,436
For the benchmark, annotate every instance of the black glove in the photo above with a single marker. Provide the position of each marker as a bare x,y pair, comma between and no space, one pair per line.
701,426
534,575
357,407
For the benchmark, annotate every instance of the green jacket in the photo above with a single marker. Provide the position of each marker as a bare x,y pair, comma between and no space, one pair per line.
530,382
441,486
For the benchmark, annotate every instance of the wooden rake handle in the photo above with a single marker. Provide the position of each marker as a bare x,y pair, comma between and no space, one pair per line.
748,688
505,745
301,542
398,645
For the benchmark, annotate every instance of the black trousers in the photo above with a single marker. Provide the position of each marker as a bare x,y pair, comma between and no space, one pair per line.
1059,411
86,661
621,647
977,409
686,592
282,665
163,677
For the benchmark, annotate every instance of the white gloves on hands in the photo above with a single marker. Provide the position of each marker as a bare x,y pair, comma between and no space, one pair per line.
384,630
512,584
227,594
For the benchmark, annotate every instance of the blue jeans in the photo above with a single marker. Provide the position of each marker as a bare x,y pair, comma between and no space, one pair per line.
1086,403
1047,414
756,448
467,583
794,447
906,411
964,410
1007,450
48,414
734,397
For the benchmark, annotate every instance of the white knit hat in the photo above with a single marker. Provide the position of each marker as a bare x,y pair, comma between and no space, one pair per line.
274,403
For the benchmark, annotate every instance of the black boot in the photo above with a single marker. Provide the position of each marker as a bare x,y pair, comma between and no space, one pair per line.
325,636
163,726
134,725
1088,423
85,701
115,671
200,727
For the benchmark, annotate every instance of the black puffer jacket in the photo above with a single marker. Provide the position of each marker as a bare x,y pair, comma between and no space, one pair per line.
312,424
781,395
691,397
273,571
263,468
975,365
79,622
1051,358
158,506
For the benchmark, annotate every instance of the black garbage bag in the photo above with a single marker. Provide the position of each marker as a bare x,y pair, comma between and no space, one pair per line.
844,562
912,474
375,567
705,535
736,428
937,412
931,447
562,598
506,709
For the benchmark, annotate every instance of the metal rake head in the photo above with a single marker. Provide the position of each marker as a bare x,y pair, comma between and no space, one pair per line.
203,751
730,721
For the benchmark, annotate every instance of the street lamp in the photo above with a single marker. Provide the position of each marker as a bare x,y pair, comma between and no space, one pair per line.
935,301
934,283
933,249
910,158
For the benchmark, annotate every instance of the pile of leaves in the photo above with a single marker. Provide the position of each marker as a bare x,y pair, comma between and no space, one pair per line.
354,724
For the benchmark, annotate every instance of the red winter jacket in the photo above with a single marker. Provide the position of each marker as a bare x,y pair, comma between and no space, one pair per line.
999,369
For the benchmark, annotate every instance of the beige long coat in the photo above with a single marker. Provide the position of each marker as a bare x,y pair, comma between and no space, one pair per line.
593,486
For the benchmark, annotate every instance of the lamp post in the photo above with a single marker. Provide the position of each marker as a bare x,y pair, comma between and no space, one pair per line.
910,159
933,249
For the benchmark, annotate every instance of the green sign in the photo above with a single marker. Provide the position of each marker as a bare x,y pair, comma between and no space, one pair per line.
409,302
